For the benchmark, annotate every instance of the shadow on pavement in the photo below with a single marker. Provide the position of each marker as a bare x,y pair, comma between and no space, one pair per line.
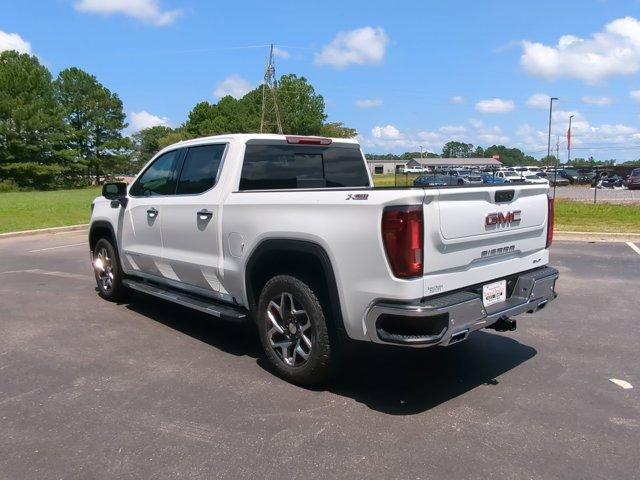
400,381
396,381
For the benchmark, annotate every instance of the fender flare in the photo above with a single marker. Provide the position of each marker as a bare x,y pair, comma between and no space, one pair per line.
270,245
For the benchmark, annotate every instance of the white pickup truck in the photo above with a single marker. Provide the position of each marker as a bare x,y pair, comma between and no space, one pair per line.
289,232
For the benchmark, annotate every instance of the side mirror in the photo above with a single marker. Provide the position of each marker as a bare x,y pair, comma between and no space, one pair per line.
116,192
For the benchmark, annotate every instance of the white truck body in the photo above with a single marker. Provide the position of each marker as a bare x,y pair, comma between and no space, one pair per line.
205,244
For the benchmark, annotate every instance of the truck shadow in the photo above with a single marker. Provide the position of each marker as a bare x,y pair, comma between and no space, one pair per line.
395,381
400,381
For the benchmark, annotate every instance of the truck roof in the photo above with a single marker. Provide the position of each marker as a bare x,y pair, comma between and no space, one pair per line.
245,137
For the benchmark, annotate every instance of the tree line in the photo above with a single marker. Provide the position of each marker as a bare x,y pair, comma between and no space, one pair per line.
508,156
67,131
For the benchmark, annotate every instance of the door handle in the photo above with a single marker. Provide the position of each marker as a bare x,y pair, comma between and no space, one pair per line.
152,212
204,214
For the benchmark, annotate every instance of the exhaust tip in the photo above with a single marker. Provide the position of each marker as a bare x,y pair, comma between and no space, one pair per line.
459,336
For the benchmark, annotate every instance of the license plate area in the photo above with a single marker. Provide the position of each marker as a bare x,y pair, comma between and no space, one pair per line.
493,293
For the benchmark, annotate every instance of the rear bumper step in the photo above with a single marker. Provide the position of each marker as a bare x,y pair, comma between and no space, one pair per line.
202,304
451,317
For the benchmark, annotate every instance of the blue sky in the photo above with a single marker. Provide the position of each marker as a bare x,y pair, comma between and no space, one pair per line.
404,74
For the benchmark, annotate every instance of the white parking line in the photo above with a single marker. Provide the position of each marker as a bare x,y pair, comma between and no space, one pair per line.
621,383
55,248
634,247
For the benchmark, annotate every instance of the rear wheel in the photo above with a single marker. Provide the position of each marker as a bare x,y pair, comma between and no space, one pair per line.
108,273
293,331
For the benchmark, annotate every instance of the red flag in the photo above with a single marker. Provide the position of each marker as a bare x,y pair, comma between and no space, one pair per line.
569,139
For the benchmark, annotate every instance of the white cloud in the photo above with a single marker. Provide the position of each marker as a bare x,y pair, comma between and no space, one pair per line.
457,100
495,105
141,120
538,100
148,11
583,134
613,51
233,85
281,53
369,103
635,95
598,101
362,46
388,132
13,41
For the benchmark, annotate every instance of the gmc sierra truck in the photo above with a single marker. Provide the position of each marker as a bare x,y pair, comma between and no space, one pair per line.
290,233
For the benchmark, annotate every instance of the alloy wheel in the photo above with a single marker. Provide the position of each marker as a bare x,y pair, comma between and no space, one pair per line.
103,266
290,333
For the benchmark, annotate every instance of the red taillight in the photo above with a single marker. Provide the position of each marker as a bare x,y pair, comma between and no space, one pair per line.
308,140
550,218
402,234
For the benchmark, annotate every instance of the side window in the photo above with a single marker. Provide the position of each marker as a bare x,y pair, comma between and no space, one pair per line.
159,178
200,169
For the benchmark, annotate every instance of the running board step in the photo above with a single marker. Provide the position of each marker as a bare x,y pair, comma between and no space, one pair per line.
202,304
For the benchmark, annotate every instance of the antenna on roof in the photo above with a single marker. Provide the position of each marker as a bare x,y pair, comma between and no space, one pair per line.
269,98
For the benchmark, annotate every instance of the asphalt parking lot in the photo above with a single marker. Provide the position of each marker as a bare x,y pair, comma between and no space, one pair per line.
147,389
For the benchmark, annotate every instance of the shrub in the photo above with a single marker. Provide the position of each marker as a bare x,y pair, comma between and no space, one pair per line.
8,186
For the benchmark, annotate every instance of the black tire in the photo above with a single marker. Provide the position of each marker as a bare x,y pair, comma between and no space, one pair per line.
108,288
316,369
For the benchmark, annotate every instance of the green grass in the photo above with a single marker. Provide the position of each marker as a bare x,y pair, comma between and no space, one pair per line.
602,217
30,210
391,180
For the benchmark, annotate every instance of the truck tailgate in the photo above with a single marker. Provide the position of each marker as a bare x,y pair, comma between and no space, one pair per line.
473,235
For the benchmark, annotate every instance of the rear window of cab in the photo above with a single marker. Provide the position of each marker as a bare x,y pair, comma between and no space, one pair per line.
280,166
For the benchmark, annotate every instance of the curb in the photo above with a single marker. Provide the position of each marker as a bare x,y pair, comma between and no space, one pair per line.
596,236
38,231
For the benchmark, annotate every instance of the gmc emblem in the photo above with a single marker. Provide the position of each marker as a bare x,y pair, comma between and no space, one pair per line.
499,218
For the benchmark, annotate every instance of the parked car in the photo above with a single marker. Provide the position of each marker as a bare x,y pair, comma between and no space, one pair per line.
289,232
607,179
414,170
509,176
465,177
632,182
577,175
554,179
491,179
432,180
533,178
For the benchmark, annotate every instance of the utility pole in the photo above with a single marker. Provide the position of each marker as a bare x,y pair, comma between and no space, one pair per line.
269,98
551,100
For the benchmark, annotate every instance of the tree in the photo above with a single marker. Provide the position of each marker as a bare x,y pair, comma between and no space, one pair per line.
146,143
96,118
301,110
457,150
337,130
510,156
31,127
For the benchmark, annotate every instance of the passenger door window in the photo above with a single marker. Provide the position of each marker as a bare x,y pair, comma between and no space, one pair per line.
200,169
158,178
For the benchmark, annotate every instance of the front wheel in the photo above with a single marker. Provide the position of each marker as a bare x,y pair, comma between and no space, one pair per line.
293,331
107,271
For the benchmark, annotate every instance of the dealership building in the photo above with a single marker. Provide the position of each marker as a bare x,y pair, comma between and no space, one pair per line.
379,167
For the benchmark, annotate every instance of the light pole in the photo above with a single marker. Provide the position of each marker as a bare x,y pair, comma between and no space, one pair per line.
551,100
569,141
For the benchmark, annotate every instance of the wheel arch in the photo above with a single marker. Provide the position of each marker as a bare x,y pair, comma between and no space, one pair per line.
101,229
297,257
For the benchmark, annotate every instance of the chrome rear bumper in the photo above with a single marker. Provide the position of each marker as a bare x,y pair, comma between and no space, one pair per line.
451,317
